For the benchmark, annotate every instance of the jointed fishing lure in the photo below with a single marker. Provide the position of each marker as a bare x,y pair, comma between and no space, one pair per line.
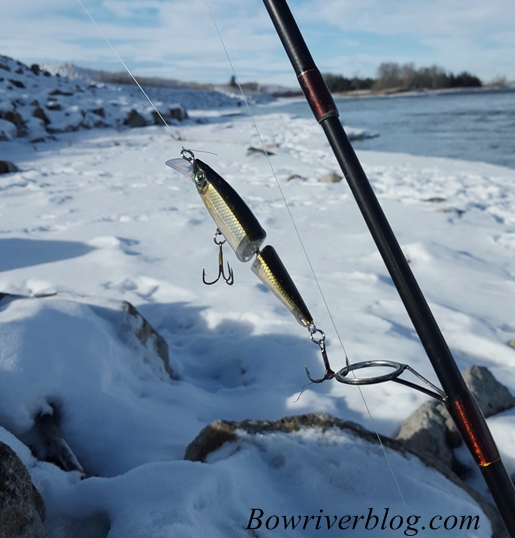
241,229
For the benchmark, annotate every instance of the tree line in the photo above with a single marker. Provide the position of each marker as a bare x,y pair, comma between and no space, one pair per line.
392,76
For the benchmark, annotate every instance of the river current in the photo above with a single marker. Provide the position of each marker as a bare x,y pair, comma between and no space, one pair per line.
476,125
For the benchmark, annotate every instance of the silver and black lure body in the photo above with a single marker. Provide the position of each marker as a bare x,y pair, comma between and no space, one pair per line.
231,214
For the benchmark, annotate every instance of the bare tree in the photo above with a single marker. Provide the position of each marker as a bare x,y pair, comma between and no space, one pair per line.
389,75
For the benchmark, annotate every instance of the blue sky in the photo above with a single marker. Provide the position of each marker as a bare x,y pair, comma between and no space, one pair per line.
177,38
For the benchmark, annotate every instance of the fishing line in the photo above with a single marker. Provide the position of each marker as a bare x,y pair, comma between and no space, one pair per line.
245,100
129,71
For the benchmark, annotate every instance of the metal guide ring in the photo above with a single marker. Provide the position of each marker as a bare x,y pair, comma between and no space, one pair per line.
398,368
341,375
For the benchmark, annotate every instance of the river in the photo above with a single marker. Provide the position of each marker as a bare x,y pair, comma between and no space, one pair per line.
474,125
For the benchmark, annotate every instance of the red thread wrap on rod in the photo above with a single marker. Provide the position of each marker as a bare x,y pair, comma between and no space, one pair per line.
317,94
475,433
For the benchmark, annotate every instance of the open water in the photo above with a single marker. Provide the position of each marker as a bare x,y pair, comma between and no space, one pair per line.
470,125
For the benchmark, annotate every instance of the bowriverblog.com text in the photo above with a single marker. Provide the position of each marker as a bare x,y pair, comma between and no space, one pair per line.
374,519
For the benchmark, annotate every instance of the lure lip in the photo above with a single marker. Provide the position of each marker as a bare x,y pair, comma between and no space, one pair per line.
182,166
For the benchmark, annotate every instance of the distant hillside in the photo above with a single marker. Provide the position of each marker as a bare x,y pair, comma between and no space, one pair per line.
251,89
36,104
75,72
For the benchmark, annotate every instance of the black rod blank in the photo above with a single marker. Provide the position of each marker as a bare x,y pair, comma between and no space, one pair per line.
460,403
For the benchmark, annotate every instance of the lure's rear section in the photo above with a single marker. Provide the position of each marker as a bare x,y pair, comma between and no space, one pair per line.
269,268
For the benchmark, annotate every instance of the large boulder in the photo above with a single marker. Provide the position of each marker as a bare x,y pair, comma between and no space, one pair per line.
22,509
69,348
213,436
428,431
218,433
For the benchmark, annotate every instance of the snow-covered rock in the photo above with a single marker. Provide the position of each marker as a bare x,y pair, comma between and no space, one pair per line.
62,104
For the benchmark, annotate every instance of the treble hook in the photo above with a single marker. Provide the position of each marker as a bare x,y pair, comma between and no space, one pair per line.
221,273
329,374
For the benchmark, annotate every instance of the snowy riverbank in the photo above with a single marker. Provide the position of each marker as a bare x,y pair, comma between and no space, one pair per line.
98,214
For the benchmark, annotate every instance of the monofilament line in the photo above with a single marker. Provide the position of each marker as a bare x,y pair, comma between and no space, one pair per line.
128,70
245,100
303,247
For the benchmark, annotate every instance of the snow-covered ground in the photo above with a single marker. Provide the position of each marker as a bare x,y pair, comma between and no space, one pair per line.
96,216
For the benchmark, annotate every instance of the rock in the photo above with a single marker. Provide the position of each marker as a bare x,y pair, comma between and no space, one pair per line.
13,117
16,119
293,176
426,431
53,105
210,439
99,112
52,447
8,131
252,150
157,118
219,432
178,113
7,167
330,178
491,396
60,92
134,330
22,509
511,343
131,327
17,83
35,69
40,113
435,200
135,119
148,336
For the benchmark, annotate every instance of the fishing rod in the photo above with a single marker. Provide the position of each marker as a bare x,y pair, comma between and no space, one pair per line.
457,398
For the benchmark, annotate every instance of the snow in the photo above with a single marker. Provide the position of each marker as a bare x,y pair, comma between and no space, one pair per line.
96,217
